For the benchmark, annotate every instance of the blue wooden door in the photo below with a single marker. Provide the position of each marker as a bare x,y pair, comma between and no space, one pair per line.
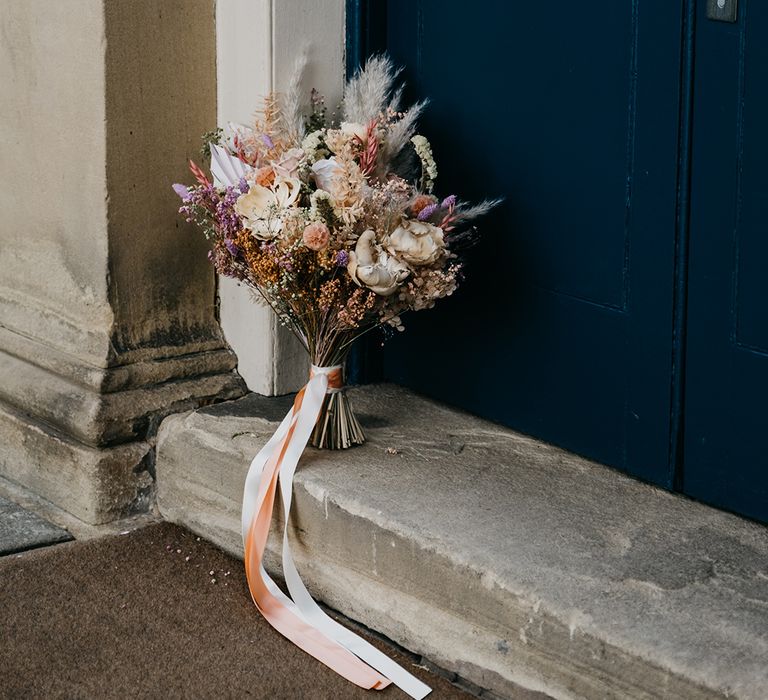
563,328
615,304
726,379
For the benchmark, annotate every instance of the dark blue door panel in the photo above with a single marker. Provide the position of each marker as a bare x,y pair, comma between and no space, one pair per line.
571,111
726,379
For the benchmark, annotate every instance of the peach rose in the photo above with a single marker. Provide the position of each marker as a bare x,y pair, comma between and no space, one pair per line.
289,163
316,236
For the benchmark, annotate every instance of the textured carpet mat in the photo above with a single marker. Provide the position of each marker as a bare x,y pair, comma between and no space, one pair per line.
156,613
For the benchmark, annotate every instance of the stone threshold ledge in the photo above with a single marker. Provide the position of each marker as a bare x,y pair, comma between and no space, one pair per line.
505,560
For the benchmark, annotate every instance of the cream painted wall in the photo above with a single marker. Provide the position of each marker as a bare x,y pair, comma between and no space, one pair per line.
257,44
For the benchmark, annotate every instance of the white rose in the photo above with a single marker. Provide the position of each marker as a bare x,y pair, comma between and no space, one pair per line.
416,242
324,171
260,206
371,266
355,129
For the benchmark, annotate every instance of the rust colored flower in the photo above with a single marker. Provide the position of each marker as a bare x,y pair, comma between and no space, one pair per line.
265,176
422,201
316,236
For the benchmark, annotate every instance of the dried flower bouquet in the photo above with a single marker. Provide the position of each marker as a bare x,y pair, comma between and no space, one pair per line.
335,225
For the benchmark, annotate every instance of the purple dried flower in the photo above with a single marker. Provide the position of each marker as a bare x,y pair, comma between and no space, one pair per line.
268,141
342,258
231,247
182,191
244,187
426,212
449,201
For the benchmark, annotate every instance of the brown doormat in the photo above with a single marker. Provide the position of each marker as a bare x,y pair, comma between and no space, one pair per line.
139,616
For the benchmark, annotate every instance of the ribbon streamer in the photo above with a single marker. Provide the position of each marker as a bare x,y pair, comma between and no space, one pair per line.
298,617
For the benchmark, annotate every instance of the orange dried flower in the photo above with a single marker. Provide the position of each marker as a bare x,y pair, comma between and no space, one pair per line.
265,176
329,293
422,201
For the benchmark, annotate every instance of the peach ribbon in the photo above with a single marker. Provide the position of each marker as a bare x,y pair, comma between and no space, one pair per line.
298,617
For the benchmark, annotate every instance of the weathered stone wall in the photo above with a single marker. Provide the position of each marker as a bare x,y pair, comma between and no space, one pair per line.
107,301
53,198
160,97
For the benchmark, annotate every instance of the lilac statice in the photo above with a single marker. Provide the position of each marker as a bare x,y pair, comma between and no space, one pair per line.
226,218
342,258
448,202
427,211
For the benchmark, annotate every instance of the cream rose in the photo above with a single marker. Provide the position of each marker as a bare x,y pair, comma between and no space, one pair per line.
260,206
325,170
371,266
355,129
416,242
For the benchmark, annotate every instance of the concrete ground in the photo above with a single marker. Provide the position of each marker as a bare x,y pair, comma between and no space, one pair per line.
507,561
21,529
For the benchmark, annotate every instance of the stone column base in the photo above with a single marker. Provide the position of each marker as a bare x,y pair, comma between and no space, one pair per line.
81,436
95,485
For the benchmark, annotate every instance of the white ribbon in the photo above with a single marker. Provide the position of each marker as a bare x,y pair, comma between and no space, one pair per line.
302,603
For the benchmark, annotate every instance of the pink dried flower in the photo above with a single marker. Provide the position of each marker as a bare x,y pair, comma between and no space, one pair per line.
316,236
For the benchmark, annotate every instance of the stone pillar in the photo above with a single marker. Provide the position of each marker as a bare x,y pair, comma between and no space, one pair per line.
107,302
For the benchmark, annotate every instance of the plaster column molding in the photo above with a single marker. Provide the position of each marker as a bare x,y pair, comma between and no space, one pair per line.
258,42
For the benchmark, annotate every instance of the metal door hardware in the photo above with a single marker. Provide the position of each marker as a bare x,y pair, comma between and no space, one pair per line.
722,10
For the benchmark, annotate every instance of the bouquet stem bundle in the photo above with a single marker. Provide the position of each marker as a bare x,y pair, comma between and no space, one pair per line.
337,428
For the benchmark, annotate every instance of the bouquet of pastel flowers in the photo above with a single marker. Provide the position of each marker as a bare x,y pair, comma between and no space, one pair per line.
335,225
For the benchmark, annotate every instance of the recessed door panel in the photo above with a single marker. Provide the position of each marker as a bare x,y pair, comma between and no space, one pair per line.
726,378
563,328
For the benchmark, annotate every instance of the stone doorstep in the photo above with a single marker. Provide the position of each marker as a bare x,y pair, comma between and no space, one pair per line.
505,560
